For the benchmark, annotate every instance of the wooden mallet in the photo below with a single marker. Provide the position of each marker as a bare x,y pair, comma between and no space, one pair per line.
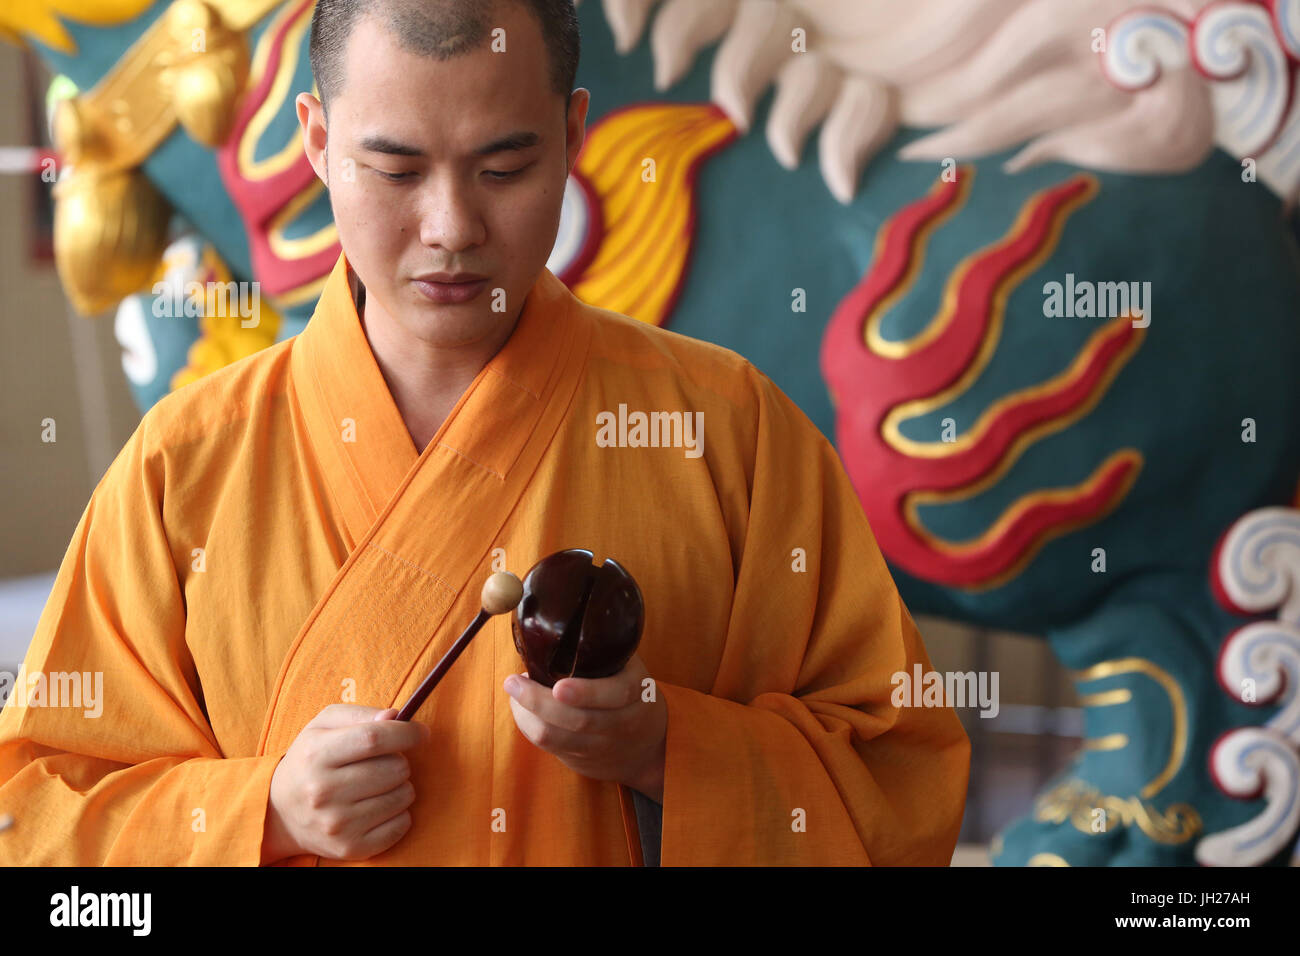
501,592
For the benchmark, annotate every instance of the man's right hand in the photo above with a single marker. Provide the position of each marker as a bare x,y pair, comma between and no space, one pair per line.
343,787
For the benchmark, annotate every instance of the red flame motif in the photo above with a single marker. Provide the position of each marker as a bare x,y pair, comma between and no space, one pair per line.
269,193
877,383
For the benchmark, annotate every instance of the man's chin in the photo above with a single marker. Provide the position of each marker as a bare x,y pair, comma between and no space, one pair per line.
457,326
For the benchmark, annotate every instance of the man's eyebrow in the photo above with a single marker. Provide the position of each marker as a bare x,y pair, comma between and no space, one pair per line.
514,141
377,143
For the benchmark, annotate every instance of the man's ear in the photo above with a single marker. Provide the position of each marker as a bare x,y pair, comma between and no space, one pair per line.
311,119
576,124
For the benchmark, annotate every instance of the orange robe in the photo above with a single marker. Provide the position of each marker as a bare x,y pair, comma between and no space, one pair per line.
270,542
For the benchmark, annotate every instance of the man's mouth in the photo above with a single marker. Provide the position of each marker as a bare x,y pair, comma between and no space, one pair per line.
448,288
450,278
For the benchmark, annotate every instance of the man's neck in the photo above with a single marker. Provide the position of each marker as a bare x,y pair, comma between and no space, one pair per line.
425,381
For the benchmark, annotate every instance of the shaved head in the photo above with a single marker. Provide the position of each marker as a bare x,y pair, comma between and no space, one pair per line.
440,30
446,157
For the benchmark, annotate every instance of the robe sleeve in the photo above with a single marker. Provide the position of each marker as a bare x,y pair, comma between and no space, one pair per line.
142,782
797,756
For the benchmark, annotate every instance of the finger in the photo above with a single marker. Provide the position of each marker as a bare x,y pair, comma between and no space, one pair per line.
553,739
344,831
370,813
367,778
538,699
371,739
392,712
343,715
385,835
604,693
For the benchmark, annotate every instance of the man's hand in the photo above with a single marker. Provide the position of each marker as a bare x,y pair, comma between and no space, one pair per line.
343,788
599,728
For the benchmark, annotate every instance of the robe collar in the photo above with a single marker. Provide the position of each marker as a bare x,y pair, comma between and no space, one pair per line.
338,380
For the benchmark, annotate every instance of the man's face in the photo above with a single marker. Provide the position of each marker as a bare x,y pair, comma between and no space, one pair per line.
454,167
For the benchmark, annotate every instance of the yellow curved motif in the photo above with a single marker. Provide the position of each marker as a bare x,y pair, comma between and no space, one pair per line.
1177,703
1046,859
1106,698
641,163
39,19
1083,365
300,246
249,168
1022,504
895,348
890,428
993,331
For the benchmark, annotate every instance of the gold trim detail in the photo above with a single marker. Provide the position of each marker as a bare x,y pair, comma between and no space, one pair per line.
1075,801
891,428
254,169
901,348
1107,698
1177,703
913,499
301,246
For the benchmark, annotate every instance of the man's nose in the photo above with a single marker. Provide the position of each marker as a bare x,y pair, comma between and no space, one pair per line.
450,217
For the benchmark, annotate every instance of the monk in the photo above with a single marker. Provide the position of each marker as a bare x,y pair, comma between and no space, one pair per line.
283,549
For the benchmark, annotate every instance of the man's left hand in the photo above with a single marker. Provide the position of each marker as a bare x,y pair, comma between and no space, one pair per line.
600,728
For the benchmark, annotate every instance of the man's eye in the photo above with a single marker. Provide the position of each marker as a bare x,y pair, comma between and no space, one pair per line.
501,175
393,177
